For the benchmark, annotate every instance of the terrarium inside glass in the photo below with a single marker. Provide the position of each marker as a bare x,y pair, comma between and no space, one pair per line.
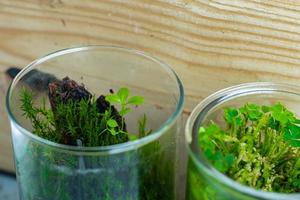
143,168
204,181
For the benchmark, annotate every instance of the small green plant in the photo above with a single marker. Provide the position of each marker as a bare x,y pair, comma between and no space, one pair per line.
142,127
258,147
41,118
122,98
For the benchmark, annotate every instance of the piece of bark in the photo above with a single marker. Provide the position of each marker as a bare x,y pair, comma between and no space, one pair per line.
62,91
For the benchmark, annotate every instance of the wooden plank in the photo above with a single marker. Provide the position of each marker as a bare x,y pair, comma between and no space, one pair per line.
211,44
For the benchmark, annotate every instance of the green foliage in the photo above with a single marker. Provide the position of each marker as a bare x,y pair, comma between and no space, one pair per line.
258,147
41,118
74,121
142,127
122,99
291,134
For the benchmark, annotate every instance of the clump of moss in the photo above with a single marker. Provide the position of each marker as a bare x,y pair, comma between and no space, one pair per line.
76,117
259,147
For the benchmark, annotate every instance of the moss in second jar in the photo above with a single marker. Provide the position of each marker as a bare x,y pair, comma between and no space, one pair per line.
259,147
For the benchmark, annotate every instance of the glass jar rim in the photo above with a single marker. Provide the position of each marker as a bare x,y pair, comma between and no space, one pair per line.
218,98
110,149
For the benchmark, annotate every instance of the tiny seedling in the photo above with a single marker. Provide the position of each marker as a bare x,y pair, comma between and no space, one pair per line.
122,98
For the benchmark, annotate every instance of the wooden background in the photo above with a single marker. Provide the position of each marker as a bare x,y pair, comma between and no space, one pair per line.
211,44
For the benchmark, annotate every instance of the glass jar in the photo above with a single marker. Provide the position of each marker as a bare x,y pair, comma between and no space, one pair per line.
141,169
203,180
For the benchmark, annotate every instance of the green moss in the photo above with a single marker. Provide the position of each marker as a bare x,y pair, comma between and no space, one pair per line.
259,147
74,121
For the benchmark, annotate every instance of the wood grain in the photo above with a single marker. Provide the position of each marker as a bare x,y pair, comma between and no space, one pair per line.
211,44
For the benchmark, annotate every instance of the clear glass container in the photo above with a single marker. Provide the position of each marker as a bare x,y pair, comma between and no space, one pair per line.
203,180
140,169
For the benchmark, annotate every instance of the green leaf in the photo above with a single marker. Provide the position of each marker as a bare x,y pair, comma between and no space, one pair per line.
113,131
142,127
238,121
209,154
296,183
201,130
211,130
112,123
281,114
253,111
135,100
124,111
207,136
273,124
220,162
132,137
265,109
112,98
229,159
292,135
230,114
123,94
